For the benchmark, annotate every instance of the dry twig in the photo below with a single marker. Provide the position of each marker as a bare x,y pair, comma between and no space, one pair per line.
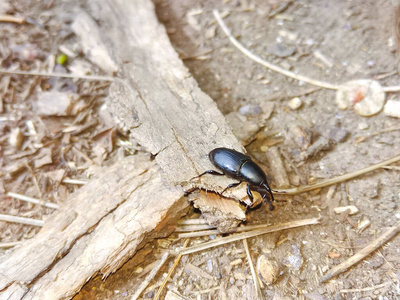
193,222
8,245
164,283
362,253
32,200
259,60
12,19
63,75
74,181
253,271
216,231
188,228
21,220
240,236
366,289
150,277
335,180
275,68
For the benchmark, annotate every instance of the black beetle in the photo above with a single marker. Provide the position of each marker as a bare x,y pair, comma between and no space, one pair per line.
239,166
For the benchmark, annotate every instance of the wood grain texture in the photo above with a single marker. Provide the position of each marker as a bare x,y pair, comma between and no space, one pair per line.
105,222
158,100
160,104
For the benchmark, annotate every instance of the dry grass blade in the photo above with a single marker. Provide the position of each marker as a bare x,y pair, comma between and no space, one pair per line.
253,271
188,228
151,275
21,220
259,60
164,283
74,181
62,75
391,89
12,19
193,222
216,231
366,289
32,200
240,236
275,68
8,245
362,253
338,179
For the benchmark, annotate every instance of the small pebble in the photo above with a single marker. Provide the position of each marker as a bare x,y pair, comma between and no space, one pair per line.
392,108
150,294
376,261
209,265
333,133
363,125
366,97
295,103
294,261
281,50
341,209
267,109
250,110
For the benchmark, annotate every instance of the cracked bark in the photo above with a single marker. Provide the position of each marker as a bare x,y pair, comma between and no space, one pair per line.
100,226
105,222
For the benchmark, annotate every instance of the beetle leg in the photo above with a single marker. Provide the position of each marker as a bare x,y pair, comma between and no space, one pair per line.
231,186
249,193
269,199
269,191
271,207
212,172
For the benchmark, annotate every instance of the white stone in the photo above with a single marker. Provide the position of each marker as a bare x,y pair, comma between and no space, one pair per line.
392,108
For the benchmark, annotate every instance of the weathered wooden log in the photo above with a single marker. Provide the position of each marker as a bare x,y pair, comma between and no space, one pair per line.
98,228
104,223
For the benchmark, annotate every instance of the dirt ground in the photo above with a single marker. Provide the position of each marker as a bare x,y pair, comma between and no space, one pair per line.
330,41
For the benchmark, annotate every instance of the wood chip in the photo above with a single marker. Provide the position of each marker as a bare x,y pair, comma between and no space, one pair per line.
15,138
91,38
56,175
198,272
267,269
351,209
236,262
43,158
277,167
